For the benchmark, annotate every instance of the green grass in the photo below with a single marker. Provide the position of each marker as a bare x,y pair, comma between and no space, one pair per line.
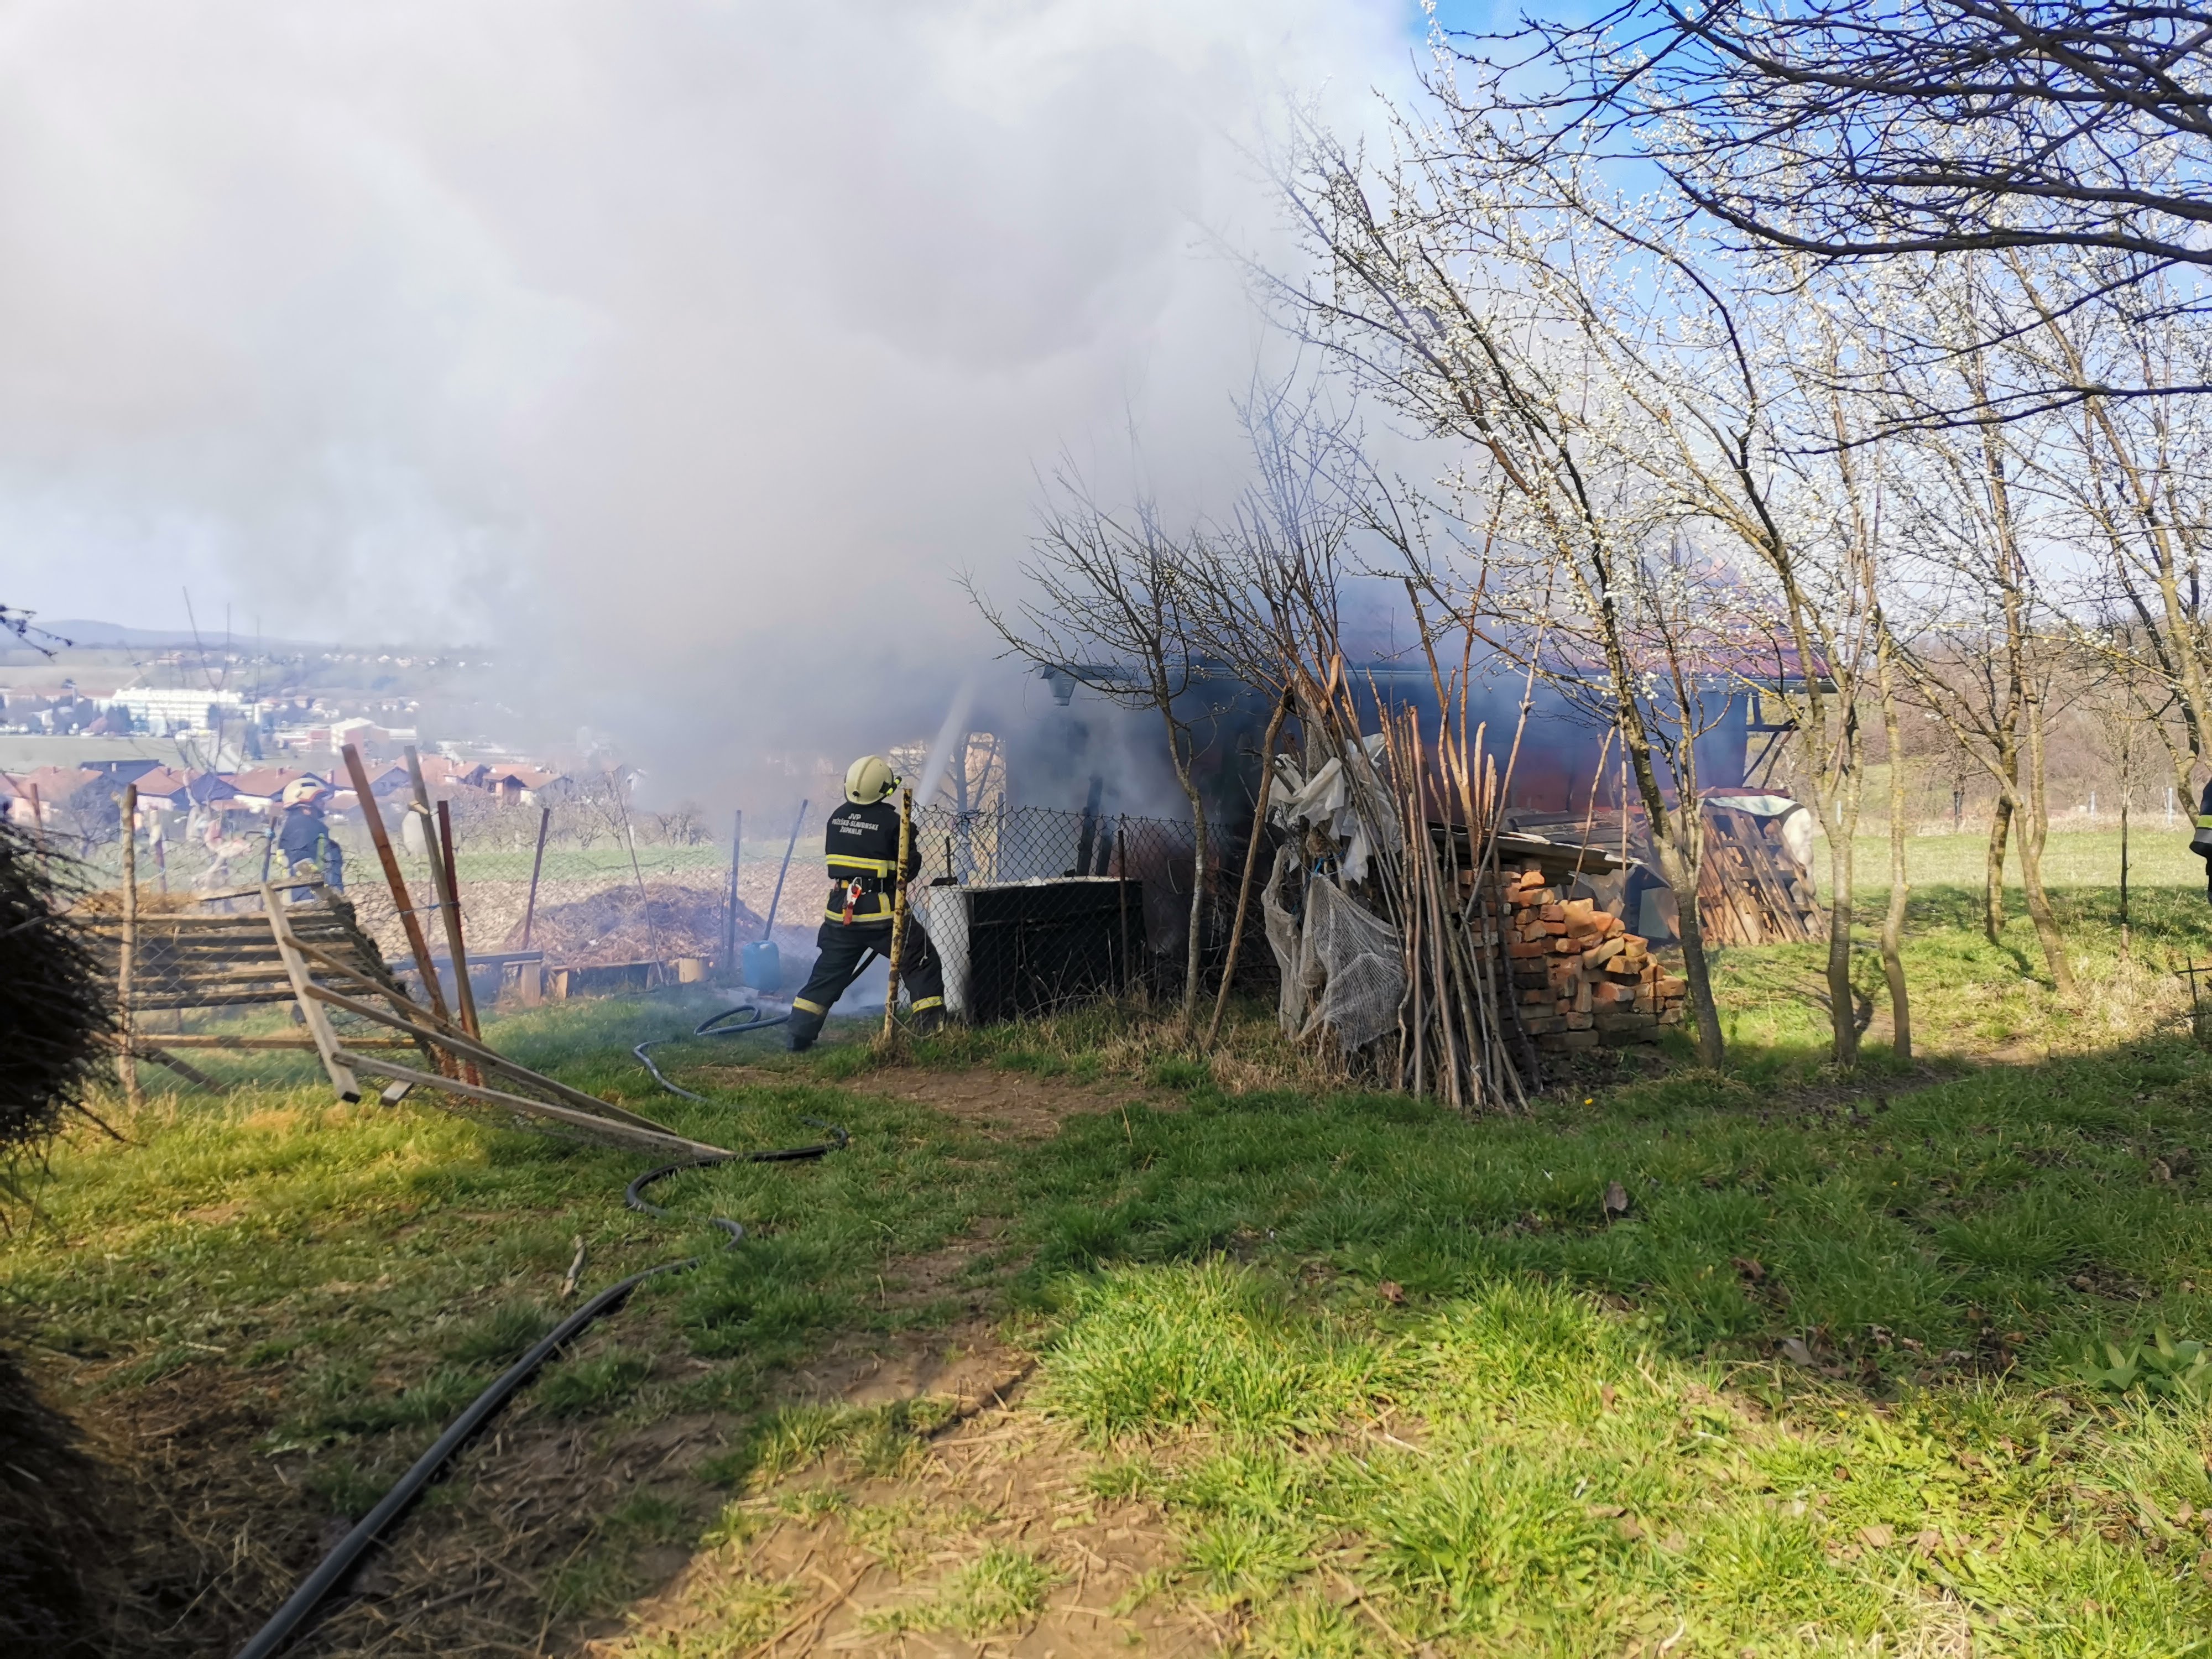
1000,1591
1380,1368
2073,859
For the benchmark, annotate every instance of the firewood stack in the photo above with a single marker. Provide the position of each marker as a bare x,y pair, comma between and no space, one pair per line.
1580,977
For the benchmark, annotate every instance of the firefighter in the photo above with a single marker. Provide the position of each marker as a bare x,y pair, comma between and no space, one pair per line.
304,836
2201,842
860,845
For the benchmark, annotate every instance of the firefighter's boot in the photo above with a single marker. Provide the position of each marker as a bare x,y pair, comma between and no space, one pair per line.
929,1019
805,1025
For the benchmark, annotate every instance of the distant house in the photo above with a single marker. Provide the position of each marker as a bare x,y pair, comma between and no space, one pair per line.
441,777
451,774
519,785
34,798
178,791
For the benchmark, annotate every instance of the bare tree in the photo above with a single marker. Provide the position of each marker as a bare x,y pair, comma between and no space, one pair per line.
1846,133
1263,585
1545,544
1624,387
1112,609
2131,482
1900,888
1981,661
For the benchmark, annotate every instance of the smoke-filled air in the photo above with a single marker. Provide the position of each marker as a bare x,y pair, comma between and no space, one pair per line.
672,351
1106,829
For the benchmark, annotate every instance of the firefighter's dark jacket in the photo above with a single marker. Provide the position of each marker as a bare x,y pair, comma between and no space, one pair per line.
861,845
302,833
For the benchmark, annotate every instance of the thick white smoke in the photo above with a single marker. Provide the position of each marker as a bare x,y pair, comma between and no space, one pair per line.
681,350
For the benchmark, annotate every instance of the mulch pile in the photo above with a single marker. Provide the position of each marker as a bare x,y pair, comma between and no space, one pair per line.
621,924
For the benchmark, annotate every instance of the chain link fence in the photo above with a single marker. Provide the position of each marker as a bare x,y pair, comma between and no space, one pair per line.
1031,909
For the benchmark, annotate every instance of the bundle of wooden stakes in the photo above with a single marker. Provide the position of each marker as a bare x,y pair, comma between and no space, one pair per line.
1457,1036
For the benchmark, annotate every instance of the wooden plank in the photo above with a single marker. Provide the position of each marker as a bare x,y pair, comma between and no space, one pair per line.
489,1058
241,999
252,892
218,1040
653,1139
438,879
441,1029
303,989
184,1069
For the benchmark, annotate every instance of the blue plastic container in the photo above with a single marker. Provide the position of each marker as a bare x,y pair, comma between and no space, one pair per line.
761,967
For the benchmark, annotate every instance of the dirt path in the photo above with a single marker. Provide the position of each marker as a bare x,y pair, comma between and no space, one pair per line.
890,1566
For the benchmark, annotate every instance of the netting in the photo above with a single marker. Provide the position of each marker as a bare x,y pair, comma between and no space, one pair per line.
1033,909
1360,968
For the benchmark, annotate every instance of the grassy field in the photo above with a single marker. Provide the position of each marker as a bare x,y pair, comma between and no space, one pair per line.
1087,1345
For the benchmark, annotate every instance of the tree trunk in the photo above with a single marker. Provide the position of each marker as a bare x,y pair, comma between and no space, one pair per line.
1680,871
2039,912
1993,915
1195,955
1843,828
2035,827
1892,921
1251,865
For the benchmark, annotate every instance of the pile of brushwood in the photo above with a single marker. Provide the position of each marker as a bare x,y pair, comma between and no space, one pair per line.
56,1008
625,924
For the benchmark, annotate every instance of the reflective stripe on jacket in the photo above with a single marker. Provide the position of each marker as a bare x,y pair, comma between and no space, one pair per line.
860,845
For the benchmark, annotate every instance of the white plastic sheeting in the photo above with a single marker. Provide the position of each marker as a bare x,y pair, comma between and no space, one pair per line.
1327,802
1343,970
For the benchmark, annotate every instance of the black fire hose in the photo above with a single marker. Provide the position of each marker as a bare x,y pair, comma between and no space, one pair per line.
341,1561
714,1026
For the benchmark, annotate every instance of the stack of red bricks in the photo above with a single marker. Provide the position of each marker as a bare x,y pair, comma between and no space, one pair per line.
1580,977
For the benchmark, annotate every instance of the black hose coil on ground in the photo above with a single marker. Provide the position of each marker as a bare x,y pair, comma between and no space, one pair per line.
339,1564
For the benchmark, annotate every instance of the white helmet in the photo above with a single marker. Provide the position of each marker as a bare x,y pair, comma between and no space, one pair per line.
869,779
301,789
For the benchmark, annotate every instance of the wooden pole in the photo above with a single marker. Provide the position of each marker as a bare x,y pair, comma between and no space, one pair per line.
440,883
898,908
39,825
1121,898
126,1061
537,864
464,993
730,901
373,816
790,847
1251,863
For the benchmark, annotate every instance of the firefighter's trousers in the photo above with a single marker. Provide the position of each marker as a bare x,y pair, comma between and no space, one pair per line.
844,948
